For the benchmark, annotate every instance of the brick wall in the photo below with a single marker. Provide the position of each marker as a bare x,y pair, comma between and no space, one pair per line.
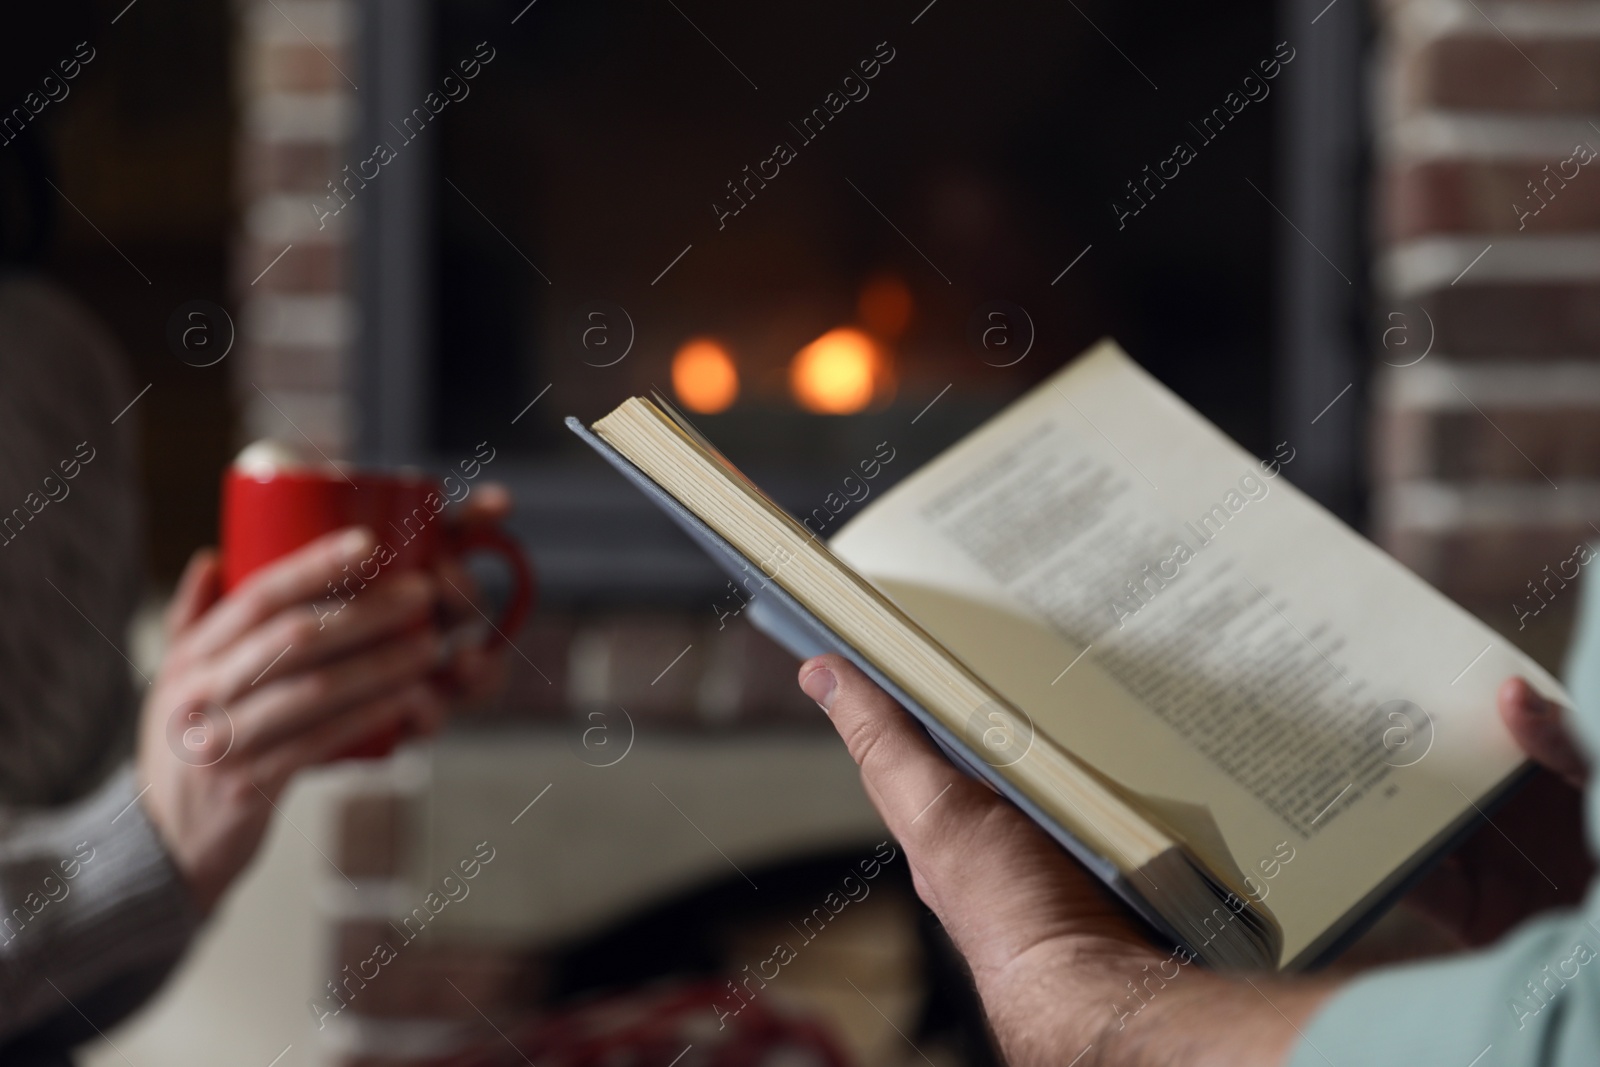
1487,452
297,321
398,1007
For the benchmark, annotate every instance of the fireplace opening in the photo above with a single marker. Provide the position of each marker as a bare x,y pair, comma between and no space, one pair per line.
822,230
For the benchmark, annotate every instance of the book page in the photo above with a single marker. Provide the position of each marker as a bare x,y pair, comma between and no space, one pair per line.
1302,709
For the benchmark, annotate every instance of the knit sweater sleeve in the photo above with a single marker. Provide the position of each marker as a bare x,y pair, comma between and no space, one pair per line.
88,896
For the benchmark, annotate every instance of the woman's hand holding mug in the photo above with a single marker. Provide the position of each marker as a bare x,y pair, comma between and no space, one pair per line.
330,627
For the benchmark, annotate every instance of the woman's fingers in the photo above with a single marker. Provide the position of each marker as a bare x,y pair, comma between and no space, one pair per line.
277,711
417,705
198,589
299,578
476,672
477,662
1537,724
298,639
490,503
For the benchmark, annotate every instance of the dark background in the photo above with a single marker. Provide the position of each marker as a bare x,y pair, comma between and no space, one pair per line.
141,146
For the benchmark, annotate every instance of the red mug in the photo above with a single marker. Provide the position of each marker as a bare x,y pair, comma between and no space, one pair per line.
269,511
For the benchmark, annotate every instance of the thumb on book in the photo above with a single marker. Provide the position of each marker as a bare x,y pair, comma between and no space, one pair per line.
905,775
997,882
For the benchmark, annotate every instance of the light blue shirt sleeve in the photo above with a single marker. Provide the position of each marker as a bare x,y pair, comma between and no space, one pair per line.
1532,999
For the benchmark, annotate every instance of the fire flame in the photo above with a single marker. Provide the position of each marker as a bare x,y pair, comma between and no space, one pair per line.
704,376
838,373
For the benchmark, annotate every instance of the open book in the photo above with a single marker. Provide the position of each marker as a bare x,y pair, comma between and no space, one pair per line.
1248,721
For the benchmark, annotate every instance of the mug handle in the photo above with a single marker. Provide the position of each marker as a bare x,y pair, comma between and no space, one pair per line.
491,538
462,540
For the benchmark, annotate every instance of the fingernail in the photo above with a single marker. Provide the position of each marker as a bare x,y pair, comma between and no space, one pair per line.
355,541
820,685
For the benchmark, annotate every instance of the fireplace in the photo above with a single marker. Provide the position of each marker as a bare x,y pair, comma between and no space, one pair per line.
830,233
835,236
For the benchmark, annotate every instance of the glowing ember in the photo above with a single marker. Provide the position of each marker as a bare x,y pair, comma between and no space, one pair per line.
704,377
837,373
